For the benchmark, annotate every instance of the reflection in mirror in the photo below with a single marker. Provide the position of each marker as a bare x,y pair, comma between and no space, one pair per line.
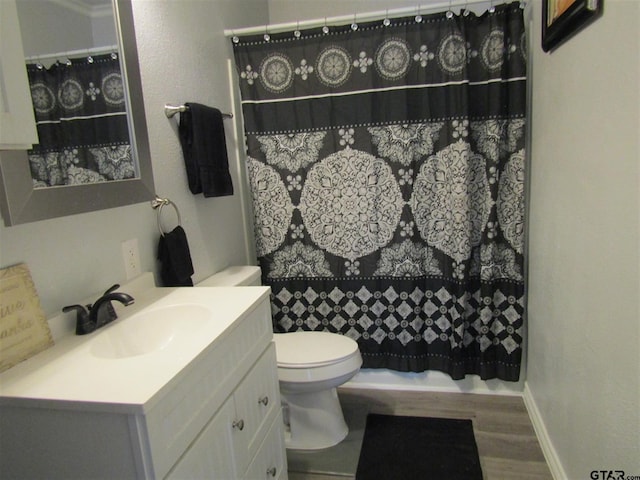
85,84
77,93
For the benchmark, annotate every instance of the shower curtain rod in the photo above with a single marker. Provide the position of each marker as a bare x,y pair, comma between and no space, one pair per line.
362,17
73,53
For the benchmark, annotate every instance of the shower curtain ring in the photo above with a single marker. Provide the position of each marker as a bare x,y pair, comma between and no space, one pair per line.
386,22
325,29
296,32
266,37
234,37
449,13
492,7
418,18
354,25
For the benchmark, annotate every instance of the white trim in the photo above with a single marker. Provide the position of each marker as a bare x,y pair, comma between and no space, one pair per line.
85,117
430,381
85,52
386,89
550,454
242,172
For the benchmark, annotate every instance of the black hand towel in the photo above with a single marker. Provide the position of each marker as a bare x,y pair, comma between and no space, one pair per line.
204,149
173,253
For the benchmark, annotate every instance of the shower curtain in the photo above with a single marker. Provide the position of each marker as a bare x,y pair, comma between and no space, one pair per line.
81,119
386,164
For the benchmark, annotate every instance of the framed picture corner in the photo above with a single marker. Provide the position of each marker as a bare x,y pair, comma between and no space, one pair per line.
562,19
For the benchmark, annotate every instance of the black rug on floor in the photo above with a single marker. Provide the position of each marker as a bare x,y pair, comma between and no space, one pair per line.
416,448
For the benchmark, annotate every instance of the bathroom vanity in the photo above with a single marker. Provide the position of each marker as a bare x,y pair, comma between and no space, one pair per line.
184,386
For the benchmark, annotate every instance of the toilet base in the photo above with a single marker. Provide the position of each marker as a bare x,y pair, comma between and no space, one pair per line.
313,420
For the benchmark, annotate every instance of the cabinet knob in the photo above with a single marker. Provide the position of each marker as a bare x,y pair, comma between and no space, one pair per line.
239,424
272,471
264,400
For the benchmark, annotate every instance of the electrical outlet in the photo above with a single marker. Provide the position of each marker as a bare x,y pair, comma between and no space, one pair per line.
131,257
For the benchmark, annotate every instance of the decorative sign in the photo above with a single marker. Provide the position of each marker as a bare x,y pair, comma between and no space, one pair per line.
24,330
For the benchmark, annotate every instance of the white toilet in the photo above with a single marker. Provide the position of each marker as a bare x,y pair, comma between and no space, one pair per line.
310,367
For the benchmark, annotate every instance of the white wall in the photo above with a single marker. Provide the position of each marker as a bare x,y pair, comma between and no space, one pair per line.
42,22
104,30
283,11
183,57
584,343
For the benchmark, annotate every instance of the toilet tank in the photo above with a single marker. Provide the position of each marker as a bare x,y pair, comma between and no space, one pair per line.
233,277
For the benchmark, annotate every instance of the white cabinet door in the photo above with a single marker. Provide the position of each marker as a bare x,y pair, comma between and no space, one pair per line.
17,123
236,433
211,455
256,398
270,463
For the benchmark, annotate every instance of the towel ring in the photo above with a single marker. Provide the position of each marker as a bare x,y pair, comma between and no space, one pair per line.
158,203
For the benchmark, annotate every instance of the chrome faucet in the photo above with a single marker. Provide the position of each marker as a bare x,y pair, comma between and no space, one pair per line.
94,316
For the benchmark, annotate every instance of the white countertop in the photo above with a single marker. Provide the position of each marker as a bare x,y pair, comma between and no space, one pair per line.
69,375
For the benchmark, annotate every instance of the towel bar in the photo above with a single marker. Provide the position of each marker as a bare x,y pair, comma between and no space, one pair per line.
157,204
171,110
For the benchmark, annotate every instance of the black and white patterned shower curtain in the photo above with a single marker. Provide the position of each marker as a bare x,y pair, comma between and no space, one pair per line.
81,118
386,165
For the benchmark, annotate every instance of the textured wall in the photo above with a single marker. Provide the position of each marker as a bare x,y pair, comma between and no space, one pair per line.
282,11
42,22
584,360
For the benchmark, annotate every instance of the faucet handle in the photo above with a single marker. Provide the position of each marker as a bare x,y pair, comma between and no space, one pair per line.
77,308
112,289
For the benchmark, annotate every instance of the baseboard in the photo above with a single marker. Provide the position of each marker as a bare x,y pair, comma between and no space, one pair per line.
550,454
431,381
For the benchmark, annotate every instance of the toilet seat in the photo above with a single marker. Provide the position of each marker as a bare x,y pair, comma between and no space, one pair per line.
312,361
313,349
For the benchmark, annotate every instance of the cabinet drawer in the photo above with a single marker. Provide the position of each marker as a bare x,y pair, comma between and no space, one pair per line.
270,462
256,399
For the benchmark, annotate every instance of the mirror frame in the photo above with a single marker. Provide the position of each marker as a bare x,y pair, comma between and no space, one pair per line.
21,203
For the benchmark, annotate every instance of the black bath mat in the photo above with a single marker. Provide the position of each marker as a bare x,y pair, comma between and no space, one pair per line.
417,448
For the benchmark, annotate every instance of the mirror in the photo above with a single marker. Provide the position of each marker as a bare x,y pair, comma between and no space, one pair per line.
22,203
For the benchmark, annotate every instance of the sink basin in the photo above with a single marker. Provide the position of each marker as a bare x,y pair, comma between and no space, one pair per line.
150,331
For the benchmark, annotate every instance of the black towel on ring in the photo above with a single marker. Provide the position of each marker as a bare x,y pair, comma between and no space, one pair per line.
204,149
174,255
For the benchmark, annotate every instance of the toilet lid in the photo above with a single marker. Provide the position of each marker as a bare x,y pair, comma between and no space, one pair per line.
312,349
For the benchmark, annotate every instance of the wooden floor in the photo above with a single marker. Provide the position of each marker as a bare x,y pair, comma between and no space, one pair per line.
507,444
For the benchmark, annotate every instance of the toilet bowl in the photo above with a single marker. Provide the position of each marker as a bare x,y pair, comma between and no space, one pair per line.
310,367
